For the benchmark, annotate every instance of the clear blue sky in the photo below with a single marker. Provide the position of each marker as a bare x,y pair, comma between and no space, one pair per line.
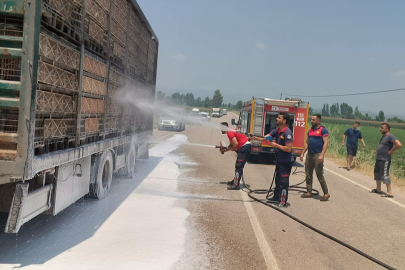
264,48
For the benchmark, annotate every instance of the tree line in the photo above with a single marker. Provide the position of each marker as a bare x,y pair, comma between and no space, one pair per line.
346,111
217,100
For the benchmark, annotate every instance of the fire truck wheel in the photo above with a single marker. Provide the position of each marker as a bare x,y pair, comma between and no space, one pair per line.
101,187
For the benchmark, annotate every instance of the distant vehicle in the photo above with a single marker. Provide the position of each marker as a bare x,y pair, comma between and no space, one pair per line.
172,119
195,118
205,116
224,112
216,112
195,110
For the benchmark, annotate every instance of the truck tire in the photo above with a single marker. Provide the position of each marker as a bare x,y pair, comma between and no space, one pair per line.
129,169
102,185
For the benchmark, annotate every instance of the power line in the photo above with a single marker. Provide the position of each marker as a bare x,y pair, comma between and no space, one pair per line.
354,94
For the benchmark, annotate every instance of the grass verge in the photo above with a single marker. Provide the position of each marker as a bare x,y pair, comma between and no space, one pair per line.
365,160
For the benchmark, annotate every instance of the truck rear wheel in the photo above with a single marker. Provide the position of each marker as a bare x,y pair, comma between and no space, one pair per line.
131,162
101,187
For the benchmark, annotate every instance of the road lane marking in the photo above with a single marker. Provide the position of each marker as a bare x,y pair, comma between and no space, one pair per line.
261,240
360,185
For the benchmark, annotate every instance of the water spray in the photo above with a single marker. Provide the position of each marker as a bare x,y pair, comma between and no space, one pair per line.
141,99
220,146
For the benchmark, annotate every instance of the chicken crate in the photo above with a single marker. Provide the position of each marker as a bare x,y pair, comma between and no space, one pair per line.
55,128
153,45
142,69
134,20
14,26
113,92
133,34
131,60
143,57
137,65
10,69
122,6
116,77
119,17
127,122
145,34
57,77
133,49
8,120
93,86
118,32
143,47
151,58
128,109
95,67
105,4
63,7
150,75
96,32
70,27
91,125
95,11
55,103
111,123
118,50
92,106
113,107
58,52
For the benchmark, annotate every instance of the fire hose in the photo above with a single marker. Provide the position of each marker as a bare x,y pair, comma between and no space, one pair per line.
279,209
297,187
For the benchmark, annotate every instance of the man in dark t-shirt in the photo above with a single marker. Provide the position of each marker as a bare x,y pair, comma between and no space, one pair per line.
353,135
388,145
316,144
239,143
283,148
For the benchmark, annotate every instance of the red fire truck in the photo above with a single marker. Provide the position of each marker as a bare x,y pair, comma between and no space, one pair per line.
258,117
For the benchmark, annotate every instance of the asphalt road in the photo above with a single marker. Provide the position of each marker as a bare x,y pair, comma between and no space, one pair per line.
224,229
248,235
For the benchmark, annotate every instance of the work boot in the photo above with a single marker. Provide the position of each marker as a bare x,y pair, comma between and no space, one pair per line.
230,183
273,200
234,186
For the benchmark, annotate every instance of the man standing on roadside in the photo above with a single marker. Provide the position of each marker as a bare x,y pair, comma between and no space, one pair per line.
316,144
388,145
353,135
283,148
241,144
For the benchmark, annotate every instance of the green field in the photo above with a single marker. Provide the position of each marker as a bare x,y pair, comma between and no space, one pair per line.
366,156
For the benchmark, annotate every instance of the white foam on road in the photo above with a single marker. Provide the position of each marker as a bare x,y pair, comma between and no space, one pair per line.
147,231
165,147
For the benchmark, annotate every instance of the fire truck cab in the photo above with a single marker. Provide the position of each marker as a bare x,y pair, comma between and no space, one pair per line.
258,117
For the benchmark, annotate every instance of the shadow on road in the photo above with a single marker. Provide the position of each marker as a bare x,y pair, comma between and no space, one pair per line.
45,237
268,160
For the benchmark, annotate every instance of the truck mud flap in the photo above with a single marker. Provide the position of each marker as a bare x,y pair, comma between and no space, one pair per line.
26,206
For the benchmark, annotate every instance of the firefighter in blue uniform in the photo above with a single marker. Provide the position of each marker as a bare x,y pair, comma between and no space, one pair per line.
283,147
